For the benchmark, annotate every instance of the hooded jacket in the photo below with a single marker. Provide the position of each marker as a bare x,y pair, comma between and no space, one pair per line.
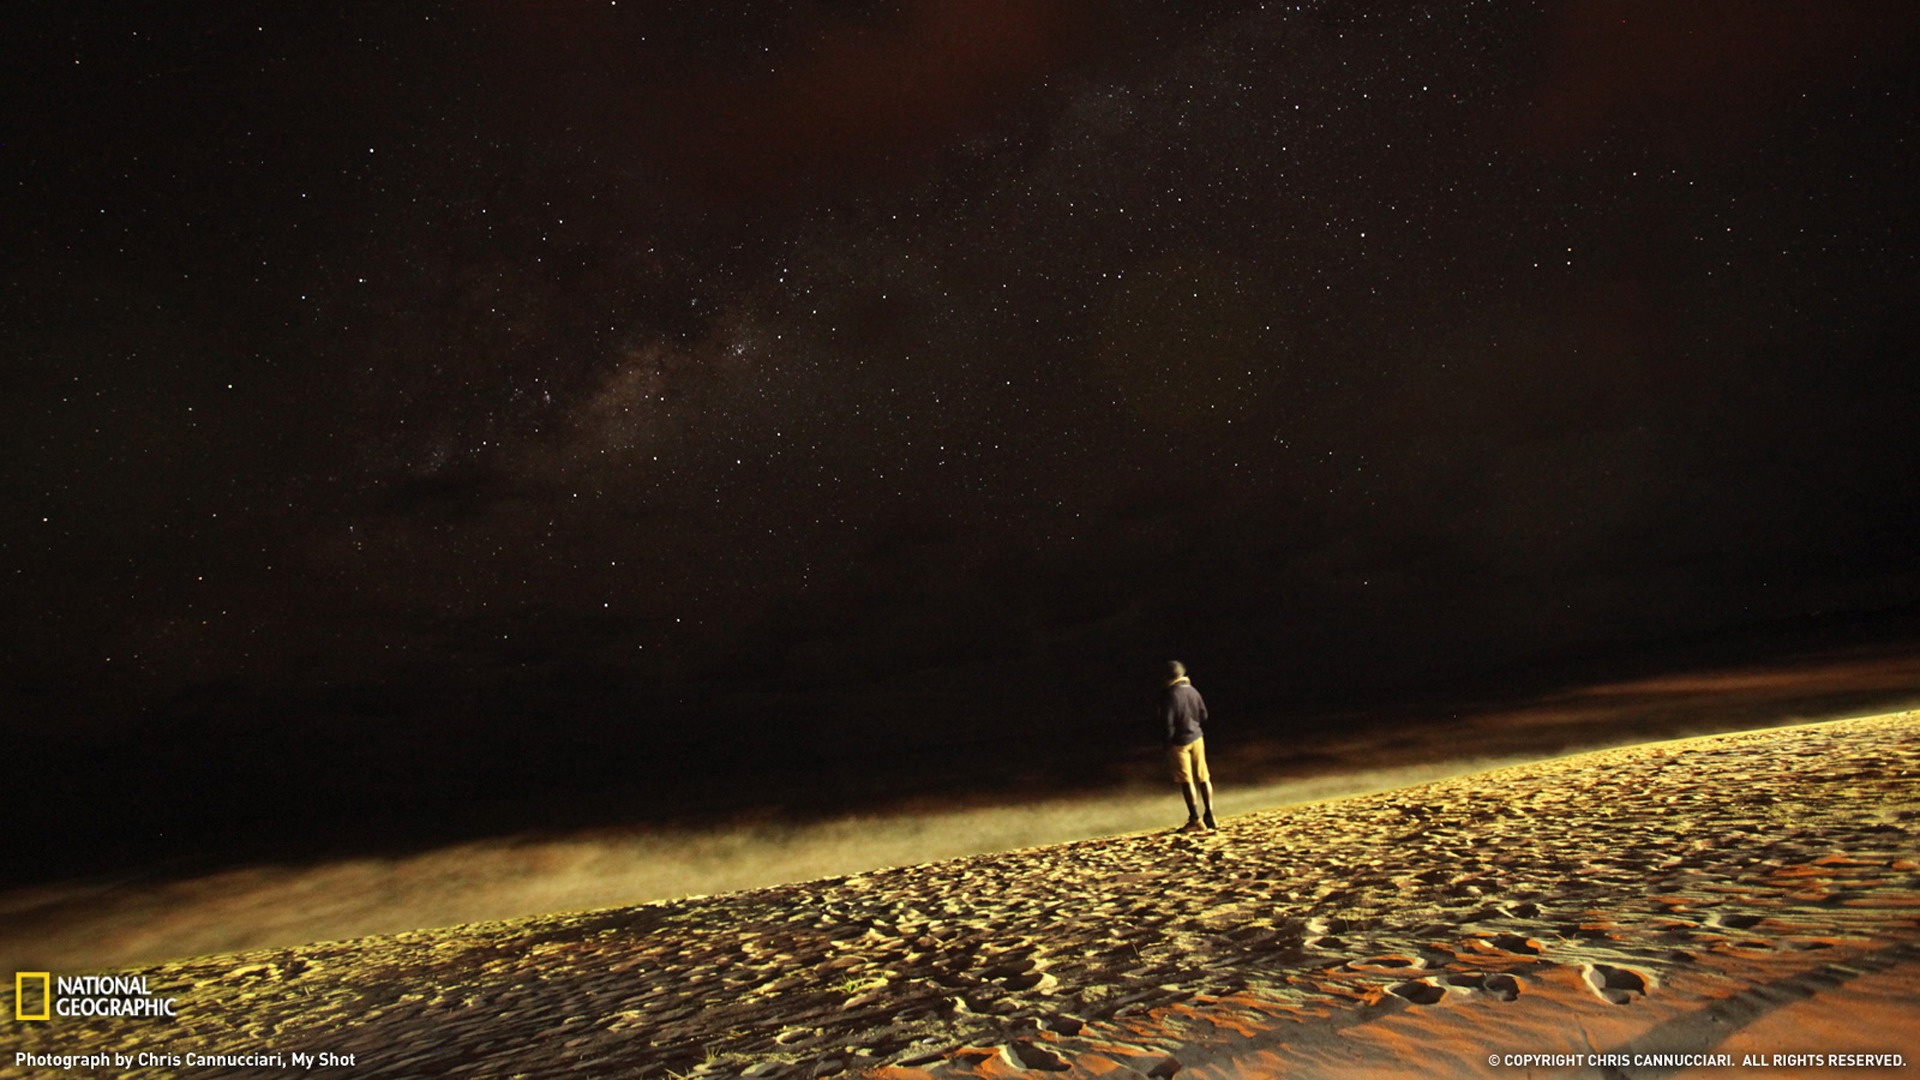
1183,711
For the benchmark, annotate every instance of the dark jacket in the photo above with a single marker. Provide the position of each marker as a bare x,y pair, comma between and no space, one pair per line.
1183,712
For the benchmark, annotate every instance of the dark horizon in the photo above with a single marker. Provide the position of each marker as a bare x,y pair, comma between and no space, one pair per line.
469,409
305,781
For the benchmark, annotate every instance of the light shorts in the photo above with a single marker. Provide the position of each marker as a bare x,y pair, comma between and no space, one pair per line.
1190,763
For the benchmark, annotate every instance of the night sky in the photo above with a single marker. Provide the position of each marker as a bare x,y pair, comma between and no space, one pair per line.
443,418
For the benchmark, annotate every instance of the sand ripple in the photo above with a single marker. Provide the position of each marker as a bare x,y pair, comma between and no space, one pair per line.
1681,895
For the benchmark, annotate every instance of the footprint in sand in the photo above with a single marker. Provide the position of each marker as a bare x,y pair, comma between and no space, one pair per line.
1025,1055
1617,985
1501,986
1023,979
1064,1024
1389,962
1515,944
1419,991
1504,987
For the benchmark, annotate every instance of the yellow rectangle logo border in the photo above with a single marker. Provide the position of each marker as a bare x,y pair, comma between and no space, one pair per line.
20,994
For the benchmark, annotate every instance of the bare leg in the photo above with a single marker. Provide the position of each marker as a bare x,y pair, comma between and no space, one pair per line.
1193,808
1206,794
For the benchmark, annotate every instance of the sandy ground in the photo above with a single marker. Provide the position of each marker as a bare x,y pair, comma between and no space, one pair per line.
99,925
1640,910
147,918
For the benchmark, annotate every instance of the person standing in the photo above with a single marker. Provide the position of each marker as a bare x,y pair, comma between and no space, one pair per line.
1183,711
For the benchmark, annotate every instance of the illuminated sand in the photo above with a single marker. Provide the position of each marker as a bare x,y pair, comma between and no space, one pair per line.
152,915
1755,893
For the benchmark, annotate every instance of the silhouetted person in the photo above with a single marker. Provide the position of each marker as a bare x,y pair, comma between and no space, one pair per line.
1183,711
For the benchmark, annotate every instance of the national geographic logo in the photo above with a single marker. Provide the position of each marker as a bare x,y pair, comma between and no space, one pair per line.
38,995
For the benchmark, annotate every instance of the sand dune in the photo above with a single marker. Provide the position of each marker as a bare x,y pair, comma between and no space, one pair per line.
1638,910
93,925
158,915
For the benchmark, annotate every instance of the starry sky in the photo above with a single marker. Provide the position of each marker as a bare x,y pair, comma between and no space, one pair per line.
455,400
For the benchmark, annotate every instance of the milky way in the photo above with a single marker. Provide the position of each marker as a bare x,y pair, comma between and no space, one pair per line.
940,360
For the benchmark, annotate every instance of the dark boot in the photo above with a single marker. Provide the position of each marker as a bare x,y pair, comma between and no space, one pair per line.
1206,793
